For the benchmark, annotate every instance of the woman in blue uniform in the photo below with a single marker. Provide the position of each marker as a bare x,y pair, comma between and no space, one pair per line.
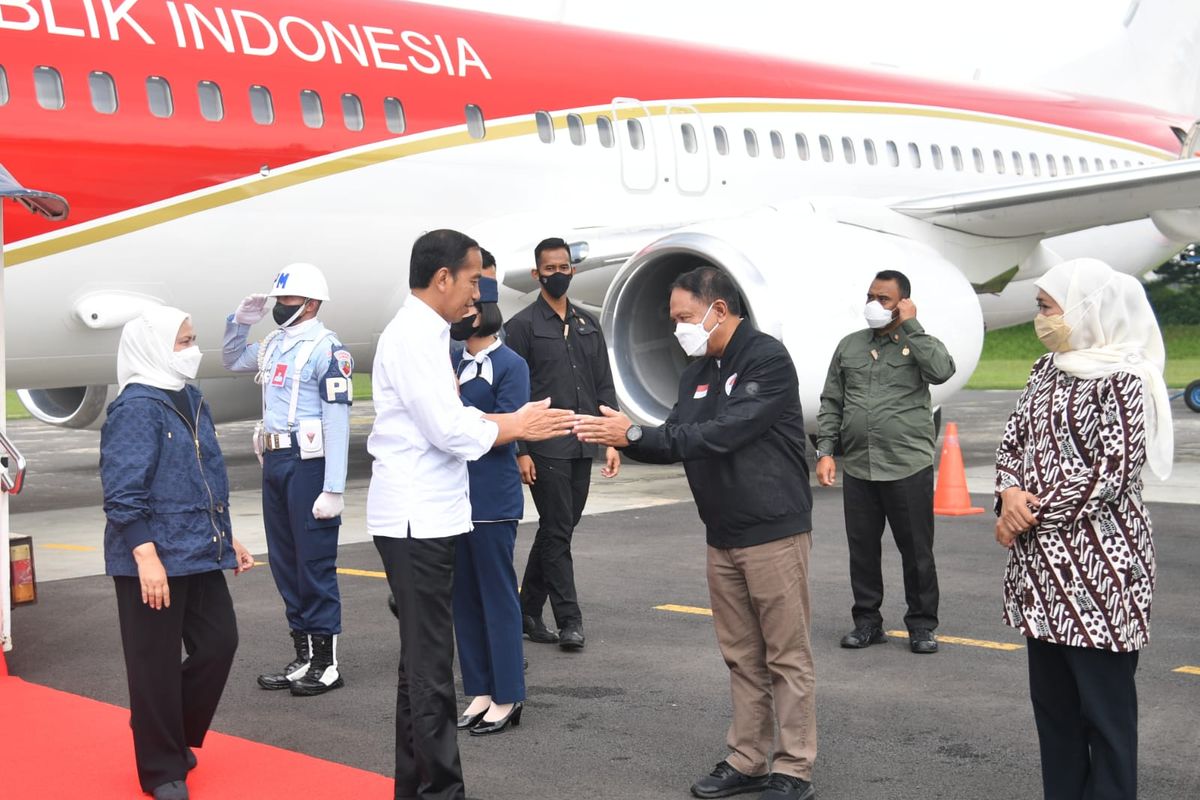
487,609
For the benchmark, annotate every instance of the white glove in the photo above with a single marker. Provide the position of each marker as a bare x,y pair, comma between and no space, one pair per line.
328,505
252,309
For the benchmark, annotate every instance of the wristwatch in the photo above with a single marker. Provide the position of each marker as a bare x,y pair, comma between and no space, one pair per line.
822,454
634,434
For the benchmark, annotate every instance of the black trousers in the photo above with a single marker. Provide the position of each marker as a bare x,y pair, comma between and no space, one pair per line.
171,703
1085,706
420,573
907,506
560,492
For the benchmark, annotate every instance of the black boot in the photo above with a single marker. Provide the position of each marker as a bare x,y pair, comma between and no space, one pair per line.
323,672
295,669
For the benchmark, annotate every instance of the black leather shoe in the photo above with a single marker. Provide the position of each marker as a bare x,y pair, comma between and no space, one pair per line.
725,781
513,717
190,758
863,636
175,790
922,641
537,631
571,638
787,787
469,720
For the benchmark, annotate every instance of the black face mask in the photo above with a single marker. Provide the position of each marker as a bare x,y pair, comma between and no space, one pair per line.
282,313
556,284
463,329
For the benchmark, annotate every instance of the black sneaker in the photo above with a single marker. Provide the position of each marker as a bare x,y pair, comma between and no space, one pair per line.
725,781
922,641
787,787
863,636
536,630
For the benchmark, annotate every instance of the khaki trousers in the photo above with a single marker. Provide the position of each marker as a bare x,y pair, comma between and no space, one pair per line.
761,613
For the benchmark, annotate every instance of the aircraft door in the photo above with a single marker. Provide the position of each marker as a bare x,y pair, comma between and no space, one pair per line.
689,149
634,132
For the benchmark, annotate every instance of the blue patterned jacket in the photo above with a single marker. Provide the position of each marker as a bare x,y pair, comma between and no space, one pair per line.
162,485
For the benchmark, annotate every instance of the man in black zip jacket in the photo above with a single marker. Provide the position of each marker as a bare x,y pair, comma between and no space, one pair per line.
739,431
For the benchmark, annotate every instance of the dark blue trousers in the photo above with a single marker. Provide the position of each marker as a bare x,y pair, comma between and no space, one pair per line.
302,550
487,613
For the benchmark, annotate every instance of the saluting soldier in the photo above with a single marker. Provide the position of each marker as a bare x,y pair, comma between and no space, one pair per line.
302,443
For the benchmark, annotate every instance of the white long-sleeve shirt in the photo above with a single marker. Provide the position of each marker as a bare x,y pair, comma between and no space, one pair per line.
423,435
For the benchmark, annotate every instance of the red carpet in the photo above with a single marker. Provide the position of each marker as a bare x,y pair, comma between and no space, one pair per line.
59,745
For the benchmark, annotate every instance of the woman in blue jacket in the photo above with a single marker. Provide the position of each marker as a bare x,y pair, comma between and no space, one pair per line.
487,609
166,541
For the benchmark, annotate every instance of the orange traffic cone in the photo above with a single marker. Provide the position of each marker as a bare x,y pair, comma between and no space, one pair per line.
950,498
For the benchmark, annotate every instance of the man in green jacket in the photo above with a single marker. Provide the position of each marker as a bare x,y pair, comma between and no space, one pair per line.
875,406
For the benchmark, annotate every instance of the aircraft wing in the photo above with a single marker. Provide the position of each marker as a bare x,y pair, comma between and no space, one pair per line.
1062,205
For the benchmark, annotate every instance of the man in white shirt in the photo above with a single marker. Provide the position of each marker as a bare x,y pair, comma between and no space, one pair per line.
418,501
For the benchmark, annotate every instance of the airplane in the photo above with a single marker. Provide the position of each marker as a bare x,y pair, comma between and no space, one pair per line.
203,145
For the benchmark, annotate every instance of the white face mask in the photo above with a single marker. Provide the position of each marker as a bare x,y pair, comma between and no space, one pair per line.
186,362
876,315
692,336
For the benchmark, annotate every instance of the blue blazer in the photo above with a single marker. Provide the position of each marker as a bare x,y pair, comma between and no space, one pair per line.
495,479
158,487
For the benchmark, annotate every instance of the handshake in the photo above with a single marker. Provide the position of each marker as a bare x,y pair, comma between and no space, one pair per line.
537,421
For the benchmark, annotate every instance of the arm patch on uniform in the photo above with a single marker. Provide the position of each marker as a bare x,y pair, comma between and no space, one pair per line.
337,385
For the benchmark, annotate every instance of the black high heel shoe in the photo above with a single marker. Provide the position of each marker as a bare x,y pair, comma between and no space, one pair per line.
513,717
469,720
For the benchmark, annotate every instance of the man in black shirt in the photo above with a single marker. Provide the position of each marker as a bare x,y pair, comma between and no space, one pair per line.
568,362
739,431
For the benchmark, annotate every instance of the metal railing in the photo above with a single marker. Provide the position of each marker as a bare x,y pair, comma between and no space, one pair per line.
11,482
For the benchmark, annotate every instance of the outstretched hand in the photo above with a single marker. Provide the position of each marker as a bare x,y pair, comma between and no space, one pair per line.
608,429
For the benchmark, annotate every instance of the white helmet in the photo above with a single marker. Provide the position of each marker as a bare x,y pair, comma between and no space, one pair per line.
300,280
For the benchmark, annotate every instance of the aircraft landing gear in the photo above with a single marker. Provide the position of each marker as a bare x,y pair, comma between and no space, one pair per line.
1191,396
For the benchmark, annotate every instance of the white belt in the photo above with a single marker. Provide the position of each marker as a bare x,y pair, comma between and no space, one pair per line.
277,441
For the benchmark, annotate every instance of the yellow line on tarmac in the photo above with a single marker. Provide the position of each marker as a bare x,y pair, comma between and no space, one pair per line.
78,548
968,642
703,612
1188,670
362,573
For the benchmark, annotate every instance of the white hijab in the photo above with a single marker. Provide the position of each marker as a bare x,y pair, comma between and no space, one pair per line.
1113,329
147,343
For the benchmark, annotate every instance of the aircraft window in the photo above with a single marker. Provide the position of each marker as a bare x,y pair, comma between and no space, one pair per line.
977,157
936,152
604,129
1112,162
575,129
1141,163
893,153
777,144
261,106
3,86
751,142
545,126
1051,166
1127,164
802,146
1035,166
637,137
311,109
848,150
47,81
826,148
1099,165
956,157
721,139
352,112
1068,166
999,161
869,151
688,132
212,106
1083,165
104,92
914,155
393,115
475,124
1018,164
158,95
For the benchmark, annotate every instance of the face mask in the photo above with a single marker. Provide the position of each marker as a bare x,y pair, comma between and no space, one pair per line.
692,336
556,284
285,315
876,315
463,329
186,362
1054,332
